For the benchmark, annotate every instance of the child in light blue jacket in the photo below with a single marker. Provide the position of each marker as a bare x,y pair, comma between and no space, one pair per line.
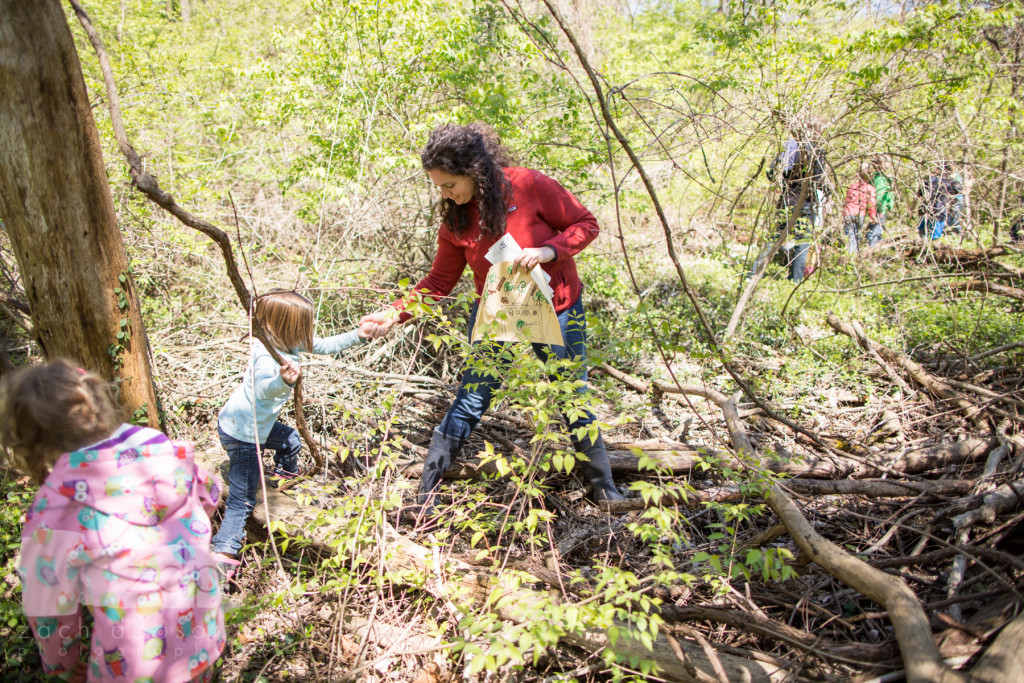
248,421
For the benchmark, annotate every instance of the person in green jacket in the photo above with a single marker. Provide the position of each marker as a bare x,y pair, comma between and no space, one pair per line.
884,199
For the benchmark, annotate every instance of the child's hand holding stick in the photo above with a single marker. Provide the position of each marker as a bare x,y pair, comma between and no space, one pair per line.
290,372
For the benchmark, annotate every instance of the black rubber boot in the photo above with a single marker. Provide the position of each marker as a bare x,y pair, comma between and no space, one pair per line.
442,451
598,471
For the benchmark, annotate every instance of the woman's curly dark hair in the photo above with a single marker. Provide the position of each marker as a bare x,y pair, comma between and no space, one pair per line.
476,151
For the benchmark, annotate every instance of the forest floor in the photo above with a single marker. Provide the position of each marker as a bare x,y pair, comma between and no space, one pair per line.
752,591
886,466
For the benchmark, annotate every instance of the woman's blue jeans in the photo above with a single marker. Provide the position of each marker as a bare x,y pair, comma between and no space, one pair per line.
852,226
876,229
934,228
244,480
794,257
477,390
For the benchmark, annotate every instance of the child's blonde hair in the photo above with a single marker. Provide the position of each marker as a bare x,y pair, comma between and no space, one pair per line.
287,316
52,409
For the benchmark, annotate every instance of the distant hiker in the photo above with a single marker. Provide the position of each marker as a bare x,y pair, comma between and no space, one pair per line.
937,197
885,198
959,204
858,209
483,198
801,159
1017,225
248,421
120,527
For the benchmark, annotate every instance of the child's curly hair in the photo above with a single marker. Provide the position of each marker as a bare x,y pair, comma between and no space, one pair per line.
51,409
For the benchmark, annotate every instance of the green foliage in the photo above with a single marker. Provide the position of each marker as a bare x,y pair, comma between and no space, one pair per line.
124,333
20,654
319,109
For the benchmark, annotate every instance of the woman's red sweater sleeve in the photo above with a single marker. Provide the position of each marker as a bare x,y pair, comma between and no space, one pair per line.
576,226
449,263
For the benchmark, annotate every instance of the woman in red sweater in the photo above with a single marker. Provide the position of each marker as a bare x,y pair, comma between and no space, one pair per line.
484,197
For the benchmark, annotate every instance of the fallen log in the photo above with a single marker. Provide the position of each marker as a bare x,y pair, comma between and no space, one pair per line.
947,255
1004,659
997,350
878,488
871,488
1001,500
915,371
988,288
986,393
780,631
683,461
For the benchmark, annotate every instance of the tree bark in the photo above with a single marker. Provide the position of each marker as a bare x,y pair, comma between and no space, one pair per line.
1004,659
56,204
762,263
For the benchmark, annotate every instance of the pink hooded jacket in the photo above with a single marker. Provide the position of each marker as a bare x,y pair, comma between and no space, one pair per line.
122,528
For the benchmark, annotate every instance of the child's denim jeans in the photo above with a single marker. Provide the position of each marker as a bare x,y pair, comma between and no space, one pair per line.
244,480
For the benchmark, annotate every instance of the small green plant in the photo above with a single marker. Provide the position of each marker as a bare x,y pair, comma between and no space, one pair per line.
124,332
140,416
20,654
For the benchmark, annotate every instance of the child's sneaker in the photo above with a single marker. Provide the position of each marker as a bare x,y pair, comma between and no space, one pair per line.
226,567
278,475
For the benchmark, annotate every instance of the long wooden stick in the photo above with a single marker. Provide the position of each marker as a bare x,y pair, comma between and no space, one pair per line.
766,258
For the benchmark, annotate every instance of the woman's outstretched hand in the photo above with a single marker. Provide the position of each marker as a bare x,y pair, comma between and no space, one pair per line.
376,325
535,256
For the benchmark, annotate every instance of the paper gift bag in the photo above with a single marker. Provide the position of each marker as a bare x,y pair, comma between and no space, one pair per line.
513,308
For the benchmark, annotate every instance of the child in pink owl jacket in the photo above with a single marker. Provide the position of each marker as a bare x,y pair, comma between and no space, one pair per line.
120,527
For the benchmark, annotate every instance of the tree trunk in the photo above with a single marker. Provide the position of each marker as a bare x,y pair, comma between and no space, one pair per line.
57,208
186,11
